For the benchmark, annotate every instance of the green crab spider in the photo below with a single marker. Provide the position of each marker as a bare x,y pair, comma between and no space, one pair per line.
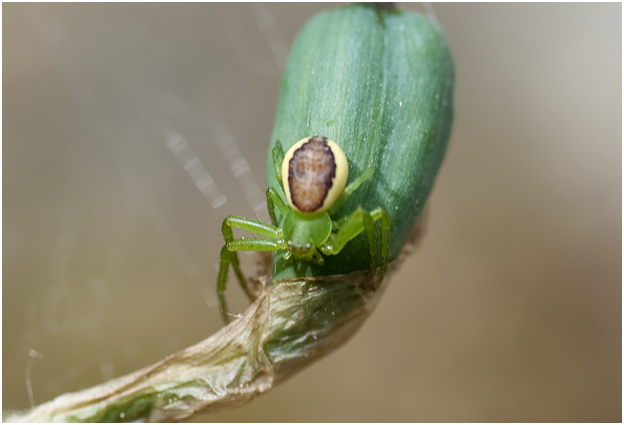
313,174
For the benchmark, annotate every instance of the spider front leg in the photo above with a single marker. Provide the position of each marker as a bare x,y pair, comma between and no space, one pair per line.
358,221
229,255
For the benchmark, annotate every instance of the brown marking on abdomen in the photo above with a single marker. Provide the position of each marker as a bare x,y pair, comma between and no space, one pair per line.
311,171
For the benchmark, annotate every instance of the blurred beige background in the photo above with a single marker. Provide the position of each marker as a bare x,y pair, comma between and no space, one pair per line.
509,311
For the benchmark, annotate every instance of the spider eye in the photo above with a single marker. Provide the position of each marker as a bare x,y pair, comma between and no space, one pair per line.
299,249
314,174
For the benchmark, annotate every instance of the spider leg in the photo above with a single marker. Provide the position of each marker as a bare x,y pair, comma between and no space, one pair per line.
351,187
227,258
318,258
358,221
229,255
250,225
381,214
275,200
278,158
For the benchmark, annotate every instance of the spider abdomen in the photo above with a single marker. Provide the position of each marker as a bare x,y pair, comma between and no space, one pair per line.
314,174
